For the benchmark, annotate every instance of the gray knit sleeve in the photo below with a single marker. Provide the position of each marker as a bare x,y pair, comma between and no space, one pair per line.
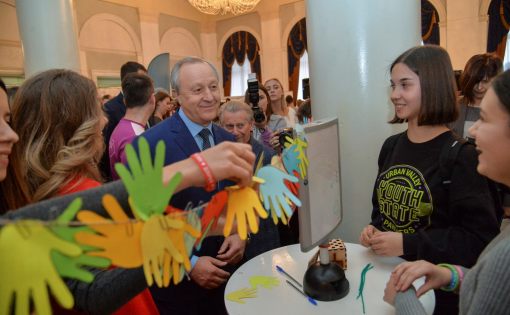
110,290
485,288
406,303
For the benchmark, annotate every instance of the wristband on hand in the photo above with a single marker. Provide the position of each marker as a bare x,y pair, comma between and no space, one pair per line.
454,282
210,181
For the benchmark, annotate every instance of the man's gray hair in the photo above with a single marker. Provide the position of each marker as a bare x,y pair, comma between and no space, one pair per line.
174,76
234,107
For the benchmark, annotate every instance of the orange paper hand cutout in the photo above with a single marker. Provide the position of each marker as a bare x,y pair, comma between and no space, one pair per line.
214,208
117,238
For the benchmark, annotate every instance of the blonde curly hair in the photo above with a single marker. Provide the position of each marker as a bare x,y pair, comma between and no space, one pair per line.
58,119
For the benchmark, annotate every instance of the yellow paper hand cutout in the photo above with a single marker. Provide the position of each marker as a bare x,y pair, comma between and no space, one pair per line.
178,238
158,249
239,295
119,239
299,145
264,281
27,271
242,205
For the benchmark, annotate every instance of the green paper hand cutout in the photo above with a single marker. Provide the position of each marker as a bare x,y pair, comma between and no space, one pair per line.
70,267
239,295
264,281
274,191
144,183
243,204
26,268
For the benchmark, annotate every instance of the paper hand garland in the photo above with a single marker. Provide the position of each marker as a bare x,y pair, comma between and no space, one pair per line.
275,193
267,282
70,266
239,295
243,204
144,183
178,237
116,236
294,157
155,244
29,277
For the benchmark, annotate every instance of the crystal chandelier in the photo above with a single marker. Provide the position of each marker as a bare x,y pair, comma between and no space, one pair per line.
222,7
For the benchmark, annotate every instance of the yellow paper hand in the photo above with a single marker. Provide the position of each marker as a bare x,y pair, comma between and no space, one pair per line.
242,205
155,241
26,268
178,238
239,295
117,235
264,281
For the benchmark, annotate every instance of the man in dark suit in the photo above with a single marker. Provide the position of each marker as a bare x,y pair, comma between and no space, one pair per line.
195,84
115,109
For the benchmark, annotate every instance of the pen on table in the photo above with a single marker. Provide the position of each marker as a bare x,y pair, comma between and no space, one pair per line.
303,293
280,269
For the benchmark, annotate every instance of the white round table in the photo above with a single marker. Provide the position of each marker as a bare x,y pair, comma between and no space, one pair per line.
283,299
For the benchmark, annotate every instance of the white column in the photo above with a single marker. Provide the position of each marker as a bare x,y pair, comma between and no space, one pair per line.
149,28
271,55
351,46
48,35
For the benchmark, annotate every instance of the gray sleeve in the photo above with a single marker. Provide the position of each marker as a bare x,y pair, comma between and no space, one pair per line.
406,303
50,209
485,289
110,290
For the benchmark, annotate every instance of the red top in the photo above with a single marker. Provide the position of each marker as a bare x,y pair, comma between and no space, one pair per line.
140,304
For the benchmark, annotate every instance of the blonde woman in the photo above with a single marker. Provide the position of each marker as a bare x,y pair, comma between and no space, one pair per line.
278,119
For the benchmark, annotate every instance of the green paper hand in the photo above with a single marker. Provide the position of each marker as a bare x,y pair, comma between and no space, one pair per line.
26,268
239,295
70,267
264,281
144,183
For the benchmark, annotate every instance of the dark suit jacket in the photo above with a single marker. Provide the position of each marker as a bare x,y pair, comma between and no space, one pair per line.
187,297
115,110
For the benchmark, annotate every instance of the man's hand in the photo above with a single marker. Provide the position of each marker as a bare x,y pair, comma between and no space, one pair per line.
208,274
387,243
232,249
367,234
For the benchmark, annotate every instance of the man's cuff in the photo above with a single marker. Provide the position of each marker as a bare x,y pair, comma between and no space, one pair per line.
193,261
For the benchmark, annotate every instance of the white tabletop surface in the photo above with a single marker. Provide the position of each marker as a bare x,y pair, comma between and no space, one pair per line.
285,300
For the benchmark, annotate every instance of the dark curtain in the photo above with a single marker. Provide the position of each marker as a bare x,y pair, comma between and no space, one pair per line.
296,46
499,20
236,47
429,23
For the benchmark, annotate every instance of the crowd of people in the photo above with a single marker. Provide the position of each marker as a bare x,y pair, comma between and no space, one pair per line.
438,200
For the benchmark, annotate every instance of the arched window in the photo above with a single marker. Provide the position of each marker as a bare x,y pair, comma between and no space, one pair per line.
303,74
429,23
499,20
239,77
240,50
296,48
